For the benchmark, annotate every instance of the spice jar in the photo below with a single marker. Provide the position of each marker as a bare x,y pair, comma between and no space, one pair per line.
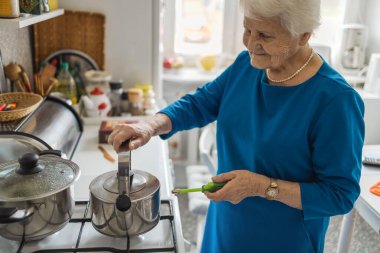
149,100
9,9
124,104
115,97
135,97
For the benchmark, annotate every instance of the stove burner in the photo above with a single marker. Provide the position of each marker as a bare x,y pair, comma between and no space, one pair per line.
85,220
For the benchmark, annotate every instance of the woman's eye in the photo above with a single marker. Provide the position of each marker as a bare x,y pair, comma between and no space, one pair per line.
263,35
247,31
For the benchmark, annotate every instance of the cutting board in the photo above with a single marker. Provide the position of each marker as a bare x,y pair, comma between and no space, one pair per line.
83,31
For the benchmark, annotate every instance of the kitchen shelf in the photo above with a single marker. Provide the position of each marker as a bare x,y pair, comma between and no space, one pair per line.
29,19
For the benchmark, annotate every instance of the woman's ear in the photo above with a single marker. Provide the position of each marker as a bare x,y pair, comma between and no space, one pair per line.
304,38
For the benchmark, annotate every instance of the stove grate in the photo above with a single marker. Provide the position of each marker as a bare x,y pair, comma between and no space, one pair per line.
83,221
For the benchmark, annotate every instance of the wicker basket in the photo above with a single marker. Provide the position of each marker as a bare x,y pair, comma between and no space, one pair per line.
26,103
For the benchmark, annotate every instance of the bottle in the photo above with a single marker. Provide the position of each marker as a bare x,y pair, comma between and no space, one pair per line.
66,83
115,97
47,71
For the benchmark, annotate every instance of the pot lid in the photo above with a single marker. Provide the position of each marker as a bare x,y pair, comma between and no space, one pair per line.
34,176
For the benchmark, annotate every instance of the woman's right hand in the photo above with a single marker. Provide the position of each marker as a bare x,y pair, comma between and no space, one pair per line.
136,134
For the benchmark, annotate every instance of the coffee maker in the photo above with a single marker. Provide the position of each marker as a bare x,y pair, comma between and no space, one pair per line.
351,47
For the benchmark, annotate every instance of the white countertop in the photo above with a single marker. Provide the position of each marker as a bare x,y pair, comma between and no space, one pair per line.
368,204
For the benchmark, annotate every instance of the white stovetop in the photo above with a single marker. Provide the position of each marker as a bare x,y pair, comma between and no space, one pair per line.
152,158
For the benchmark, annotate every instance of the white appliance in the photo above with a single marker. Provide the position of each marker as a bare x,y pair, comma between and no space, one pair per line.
351,47
372,82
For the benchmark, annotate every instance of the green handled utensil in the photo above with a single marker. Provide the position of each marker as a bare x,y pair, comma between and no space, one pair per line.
209,187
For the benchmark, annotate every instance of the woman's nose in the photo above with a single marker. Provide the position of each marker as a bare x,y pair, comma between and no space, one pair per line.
253,44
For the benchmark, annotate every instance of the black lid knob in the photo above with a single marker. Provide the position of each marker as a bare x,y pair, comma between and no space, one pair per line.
123,203
29,164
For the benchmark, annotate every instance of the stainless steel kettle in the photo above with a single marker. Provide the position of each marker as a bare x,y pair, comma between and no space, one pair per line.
125,202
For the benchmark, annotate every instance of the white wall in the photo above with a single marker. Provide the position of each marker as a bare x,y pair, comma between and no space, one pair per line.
130,53
372,20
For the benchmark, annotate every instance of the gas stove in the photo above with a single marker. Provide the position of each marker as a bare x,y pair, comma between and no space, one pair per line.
80,236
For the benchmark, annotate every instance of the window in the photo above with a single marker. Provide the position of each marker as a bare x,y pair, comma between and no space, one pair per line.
196,27
199,26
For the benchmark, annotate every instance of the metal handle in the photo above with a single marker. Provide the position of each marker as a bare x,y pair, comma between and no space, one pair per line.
124,173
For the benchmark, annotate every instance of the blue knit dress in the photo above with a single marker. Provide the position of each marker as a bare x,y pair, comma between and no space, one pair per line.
311,133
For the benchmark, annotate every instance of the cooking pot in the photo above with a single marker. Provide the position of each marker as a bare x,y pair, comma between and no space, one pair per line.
125,202
36,197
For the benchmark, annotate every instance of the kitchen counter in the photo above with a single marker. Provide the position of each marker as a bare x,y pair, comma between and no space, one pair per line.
367,205
153,158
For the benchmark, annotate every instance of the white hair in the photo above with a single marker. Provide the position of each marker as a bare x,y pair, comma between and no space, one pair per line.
297,16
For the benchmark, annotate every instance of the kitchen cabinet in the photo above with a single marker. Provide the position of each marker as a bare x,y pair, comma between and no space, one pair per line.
29,19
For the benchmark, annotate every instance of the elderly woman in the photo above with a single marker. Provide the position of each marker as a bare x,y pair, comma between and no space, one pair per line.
289,136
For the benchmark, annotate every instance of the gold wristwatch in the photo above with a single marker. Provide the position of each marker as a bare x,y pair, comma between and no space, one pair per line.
271,192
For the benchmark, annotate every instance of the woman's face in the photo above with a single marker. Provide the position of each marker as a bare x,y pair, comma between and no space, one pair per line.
269,44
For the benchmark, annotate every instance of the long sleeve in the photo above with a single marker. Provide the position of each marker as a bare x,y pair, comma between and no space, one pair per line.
198,109
336,144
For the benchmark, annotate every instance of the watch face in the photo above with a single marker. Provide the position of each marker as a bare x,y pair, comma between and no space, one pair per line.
272,192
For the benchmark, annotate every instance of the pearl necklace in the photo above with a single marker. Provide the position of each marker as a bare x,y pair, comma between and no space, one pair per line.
295,73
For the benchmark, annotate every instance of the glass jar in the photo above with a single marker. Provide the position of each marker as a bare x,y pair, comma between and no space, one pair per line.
149,101
135,97
124,104
9,9
115,97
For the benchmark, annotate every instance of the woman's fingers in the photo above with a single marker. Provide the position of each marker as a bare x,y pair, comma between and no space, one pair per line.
135,134
111,137
121,136
224,177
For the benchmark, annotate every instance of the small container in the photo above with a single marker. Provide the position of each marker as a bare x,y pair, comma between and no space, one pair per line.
149,101
101,101
135,97
124,103
115,97
9,9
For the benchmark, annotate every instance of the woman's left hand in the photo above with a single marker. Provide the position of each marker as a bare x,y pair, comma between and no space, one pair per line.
240,184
